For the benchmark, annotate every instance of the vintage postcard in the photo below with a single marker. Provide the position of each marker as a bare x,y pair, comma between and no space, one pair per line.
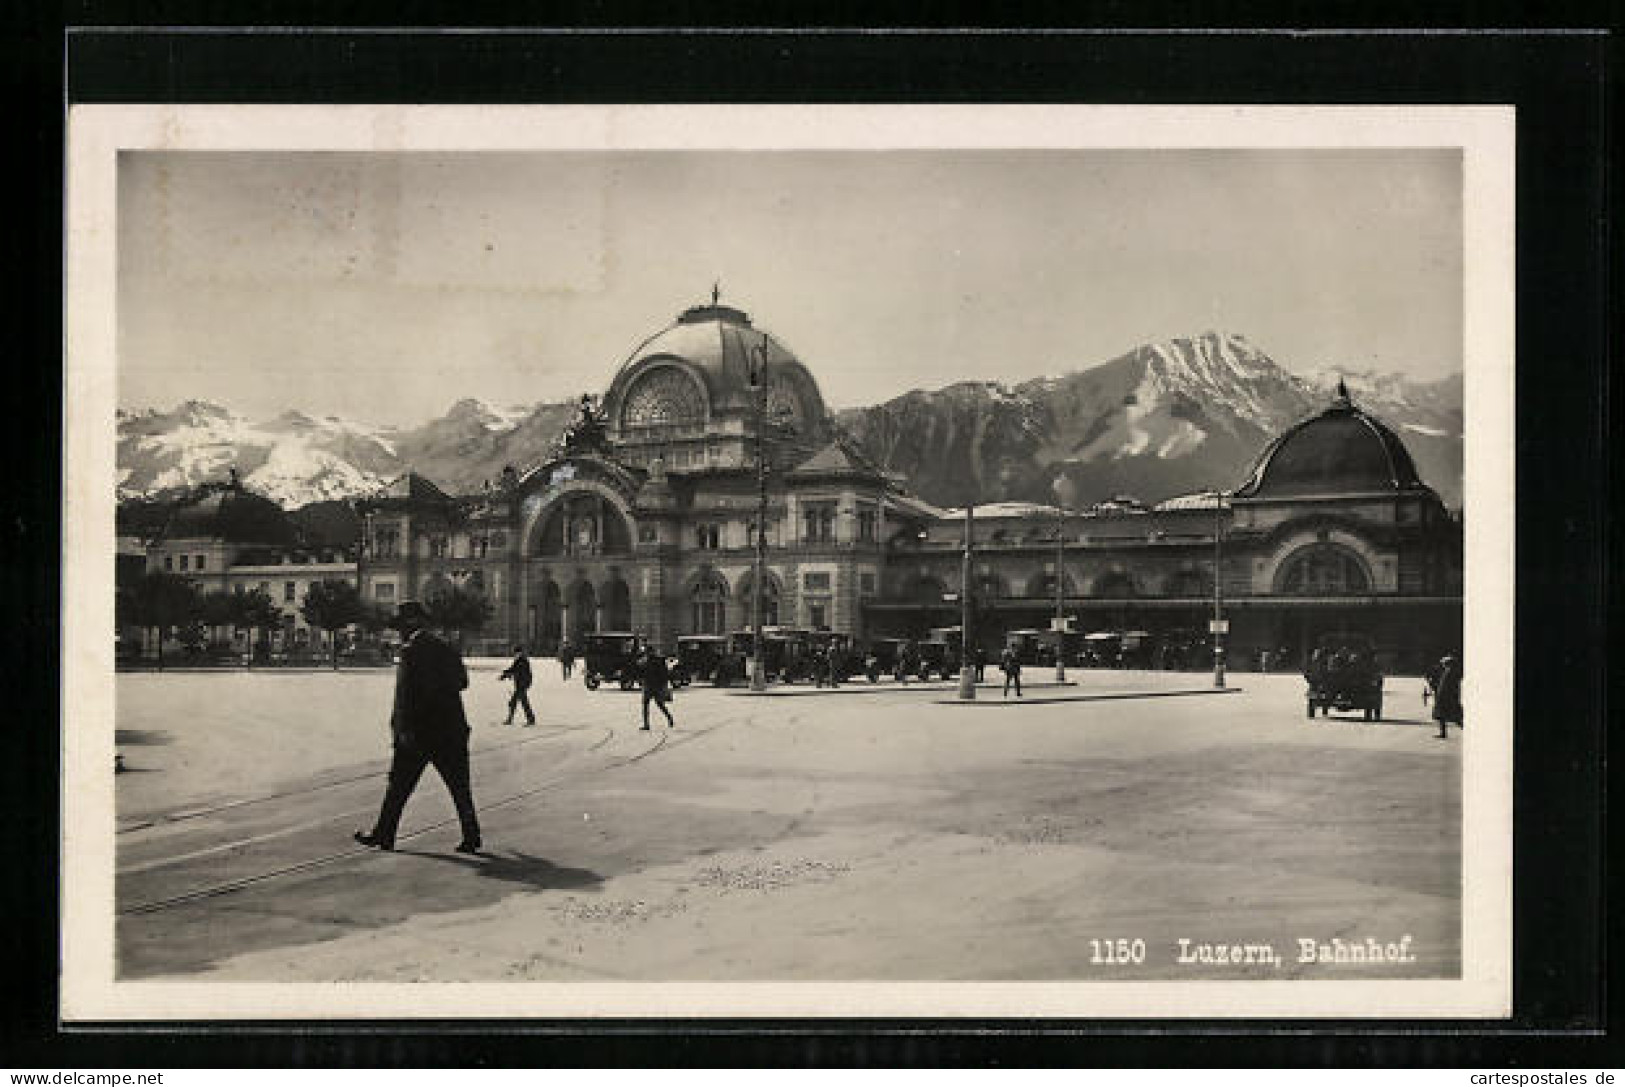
671,561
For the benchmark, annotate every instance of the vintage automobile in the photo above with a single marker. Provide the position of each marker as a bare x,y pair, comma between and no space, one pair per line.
611,656
1119,649
1136,649
1028,645
703,657
937,657
837,648
1068,642
1342,674
1102,649
786,652
883,656
1180,650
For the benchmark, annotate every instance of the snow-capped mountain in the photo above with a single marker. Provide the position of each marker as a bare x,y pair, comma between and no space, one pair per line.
296,459
1167,418
292,458
1164,419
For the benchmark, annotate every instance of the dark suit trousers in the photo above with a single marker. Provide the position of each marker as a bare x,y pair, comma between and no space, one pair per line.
521,697
451,762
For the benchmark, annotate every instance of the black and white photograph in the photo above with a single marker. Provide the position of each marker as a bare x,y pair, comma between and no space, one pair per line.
820,561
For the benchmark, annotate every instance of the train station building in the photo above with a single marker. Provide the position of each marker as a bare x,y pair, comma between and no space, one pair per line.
644,518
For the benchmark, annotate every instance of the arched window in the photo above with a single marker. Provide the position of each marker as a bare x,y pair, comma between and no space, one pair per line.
991,587
664,396
770,601
1323,570
1042,584
583,524
548,627
1115,583
926,590
617,605
708,603
583,611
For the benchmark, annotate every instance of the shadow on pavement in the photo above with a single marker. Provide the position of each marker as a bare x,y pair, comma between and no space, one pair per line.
515,867
141,736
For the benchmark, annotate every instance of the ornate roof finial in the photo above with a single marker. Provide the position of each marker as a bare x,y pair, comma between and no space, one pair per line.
716,292
1342,392
231,477
587,434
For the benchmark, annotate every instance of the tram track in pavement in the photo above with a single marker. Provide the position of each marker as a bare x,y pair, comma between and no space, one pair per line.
667,740
169,819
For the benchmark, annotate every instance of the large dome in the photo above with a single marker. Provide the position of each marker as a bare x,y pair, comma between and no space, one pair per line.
696,372
1342,450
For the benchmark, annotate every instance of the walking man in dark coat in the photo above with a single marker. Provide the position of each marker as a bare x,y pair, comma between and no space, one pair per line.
567,657
428,726
1444,683
519,672
656,686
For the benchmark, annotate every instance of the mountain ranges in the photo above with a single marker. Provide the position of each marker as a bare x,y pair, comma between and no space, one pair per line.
1165,419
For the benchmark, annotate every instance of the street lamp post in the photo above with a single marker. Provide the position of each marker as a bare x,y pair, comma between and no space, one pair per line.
1060,592
967,668
758,668
1218,589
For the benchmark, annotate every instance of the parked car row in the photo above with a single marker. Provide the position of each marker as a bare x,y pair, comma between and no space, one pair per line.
1342,673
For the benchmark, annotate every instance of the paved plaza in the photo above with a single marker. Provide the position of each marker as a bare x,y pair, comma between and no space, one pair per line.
874,832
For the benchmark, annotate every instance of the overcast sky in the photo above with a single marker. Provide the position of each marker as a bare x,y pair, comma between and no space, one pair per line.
383,287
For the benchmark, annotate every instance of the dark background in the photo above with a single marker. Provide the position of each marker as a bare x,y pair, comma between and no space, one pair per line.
1558,83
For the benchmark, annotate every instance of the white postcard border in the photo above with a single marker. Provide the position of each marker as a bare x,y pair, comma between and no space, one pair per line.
97,134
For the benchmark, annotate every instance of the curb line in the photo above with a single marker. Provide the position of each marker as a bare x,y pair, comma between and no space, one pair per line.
1085,697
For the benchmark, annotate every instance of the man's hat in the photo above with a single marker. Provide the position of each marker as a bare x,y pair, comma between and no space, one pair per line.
409,609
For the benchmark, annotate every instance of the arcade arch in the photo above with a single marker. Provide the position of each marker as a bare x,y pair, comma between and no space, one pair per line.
1191,581
1042,584
1322,569
1114,583
583,615
708,604
617,605
588,519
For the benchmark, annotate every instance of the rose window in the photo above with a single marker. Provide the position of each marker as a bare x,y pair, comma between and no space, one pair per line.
663,397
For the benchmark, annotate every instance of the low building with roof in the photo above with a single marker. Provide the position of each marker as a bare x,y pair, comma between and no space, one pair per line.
226,538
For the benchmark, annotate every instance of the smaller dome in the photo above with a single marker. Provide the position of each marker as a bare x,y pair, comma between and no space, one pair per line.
227,512
1343,450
